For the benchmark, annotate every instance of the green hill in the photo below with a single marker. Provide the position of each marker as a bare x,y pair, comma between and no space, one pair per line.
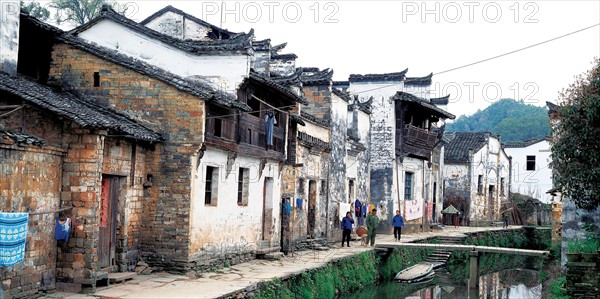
513,120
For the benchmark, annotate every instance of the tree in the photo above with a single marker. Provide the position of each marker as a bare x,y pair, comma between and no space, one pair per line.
79,12
576,146
35,10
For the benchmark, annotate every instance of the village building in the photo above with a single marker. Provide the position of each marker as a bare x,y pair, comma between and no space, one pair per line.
531,171
477,176
63,156
404,134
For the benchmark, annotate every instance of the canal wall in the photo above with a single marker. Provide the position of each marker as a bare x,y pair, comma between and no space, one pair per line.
367,268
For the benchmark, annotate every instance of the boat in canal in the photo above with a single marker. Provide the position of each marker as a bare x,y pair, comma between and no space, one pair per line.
421,272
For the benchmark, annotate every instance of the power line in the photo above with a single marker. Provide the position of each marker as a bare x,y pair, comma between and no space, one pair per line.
253,111
518,50
488,59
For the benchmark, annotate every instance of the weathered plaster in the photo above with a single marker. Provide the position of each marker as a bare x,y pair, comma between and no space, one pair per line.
227,71
9,36
178,26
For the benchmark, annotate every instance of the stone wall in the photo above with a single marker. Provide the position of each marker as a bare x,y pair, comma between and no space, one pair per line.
30,181
178,116
573,220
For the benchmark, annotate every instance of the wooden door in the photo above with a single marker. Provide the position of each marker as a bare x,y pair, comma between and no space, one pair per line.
312,205
108,205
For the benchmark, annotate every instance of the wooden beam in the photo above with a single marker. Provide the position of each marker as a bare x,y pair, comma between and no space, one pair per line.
489,249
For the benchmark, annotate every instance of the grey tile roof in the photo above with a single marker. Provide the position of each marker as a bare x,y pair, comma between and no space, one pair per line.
440,101
193,87
342,94
518,144
285,57
69,106
314,119
292,79
313,76
216,33
282,89
398,76
240,42
22,139
418,80
459,143
407,97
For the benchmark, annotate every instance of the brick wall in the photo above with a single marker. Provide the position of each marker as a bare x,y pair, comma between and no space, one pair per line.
30,181
176,115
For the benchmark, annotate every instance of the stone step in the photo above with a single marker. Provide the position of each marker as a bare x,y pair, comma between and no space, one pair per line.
272,256
119,277
261,251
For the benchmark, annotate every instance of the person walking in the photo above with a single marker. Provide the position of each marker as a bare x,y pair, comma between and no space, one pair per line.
398,223
372,224
505,219
347,228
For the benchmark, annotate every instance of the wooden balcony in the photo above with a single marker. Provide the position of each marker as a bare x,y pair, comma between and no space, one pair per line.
419,137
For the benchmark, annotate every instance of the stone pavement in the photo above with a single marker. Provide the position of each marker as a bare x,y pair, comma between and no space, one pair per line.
241,276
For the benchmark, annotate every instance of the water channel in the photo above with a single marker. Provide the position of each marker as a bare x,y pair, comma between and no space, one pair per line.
504,277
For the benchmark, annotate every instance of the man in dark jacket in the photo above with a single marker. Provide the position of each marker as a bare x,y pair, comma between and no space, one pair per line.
347,228
397,223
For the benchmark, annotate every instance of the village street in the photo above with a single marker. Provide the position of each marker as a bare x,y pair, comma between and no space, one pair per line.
230,280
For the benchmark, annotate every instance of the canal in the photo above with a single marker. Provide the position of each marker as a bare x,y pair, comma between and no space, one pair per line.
502,276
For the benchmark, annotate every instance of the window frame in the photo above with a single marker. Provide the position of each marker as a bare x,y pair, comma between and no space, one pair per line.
211,186
408,185
530,161
243,184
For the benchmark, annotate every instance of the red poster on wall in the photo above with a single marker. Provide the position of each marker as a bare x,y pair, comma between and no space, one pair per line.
429,209
104,203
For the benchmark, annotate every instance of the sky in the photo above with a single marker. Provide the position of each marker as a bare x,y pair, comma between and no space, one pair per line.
359,37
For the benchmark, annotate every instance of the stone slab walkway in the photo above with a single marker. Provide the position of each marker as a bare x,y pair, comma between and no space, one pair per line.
245,275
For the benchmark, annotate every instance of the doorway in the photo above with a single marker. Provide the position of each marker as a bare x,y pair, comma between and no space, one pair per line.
107,239
491,193
267,209
434,213
312,205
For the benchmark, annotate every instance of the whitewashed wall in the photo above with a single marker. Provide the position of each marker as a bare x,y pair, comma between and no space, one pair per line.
178,26
226,71
229,224
422,91
9,36
536,182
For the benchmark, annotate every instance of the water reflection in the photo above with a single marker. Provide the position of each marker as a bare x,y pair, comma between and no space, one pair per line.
505,284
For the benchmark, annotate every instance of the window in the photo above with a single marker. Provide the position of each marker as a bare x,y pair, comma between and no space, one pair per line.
254,105
217,127
243,186
211,186
408,181
501,186
480,184
96,79
530,162
323,190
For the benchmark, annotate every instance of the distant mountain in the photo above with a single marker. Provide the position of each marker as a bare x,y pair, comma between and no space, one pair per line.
513,120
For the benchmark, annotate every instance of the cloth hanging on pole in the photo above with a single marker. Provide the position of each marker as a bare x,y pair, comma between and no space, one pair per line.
269,123
13,235
299,202
63,228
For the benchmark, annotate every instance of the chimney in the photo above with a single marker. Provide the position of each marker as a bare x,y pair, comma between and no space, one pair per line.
9,36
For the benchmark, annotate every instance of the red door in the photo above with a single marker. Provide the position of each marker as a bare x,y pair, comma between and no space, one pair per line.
107,223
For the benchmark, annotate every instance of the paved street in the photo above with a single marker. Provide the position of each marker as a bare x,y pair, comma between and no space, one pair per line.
241,276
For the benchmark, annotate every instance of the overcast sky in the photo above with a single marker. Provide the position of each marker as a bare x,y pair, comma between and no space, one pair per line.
424,36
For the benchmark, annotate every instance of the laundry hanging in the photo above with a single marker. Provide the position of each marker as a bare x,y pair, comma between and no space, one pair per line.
299,202
63,228
269,123
13,235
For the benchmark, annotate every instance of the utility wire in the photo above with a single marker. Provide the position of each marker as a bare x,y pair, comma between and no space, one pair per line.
488,59
253,111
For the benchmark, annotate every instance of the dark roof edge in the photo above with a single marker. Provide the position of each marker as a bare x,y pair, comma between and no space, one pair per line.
398,76
193,88
170,8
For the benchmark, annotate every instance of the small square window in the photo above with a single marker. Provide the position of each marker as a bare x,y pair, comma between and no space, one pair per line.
530,163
